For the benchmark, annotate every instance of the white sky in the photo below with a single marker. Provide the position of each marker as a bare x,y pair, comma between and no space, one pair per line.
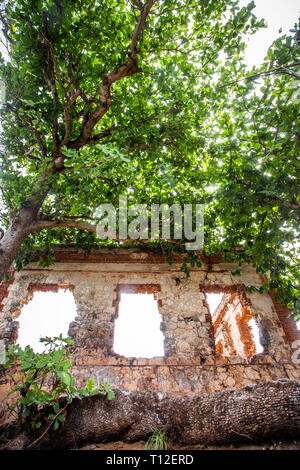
213,301
255,332
137,328
277,14
46,314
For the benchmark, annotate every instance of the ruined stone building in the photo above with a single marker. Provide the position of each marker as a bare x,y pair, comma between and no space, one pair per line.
204,351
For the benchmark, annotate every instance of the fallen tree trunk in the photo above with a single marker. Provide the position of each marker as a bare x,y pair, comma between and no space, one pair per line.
257,413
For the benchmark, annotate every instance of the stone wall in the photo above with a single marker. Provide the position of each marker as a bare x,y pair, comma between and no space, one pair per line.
194,362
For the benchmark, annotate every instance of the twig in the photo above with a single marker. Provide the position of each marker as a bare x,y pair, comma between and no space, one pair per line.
241,434
46,430
281,69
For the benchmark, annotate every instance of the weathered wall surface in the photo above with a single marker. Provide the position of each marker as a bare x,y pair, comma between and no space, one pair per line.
190,365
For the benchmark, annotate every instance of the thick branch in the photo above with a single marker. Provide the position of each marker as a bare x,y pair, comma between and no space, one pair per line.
40,141
43,224
257,413
69,223
81,225
127,69
145,12
67,115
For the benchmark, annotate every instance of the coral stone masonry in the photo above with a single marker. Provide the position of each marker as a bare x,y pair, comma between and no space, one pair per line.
204,351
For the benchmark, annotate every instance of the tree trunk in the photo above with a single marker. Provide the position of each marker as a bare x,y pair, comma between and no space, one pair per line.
253,414
19,228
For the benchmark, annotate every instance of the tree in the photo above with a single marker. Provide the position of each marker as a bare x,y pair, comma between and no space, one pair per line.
255,169
149,99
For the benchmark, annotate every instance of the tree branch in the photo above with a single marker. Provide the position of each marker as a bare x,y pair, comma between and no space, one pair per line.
271,199
46,224
93,165
81,225
68,129
130,67
144,13
47,74
100,136
138,4
39,141
278,70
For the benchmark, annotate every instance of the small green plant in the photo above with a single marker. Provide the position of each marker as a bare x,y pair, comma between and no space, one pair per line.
44,379
157,441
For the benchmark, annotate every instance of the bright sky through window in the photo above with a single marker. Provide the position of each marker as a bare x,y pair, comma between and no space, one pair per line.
46,314
255,333
137,328
213,301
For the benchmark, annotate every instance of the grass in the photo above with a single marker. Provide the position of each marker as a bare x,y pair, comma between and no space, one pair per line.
157,441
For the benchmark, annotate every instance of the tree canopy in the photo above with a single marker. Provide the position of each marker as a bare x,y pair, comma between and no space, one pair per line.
149,99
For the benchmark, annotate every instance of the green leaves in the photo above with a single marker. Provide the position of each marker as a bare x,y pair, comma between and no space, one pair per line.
64,377
56,408
110,394
194,125
50,367
106,390
90,384
56,425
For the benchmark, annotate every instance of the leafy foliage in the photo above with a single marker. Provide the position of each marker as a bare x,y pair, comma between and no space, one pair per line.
151,100
45,378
